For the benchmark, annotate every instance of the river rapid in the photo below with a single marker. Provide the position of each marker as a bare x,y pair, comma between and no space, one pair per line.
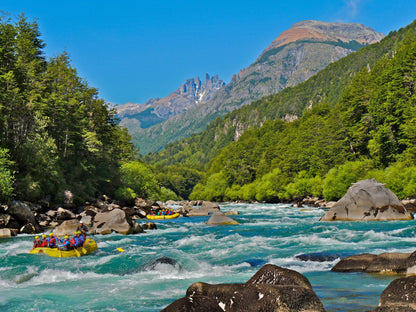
109,280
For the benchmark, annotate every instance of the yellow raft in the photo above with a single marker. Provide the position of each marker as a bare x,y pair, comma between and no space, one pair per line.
162,217
89,246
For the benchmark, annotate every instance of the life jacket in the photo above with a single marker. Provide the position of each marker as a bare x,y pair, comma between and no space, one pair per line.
36,243
66,243
51,241
44,243
81,240
74,241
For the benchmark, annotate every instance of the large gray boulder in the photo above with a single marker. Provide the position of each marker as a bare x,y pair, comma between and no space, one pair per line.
271,289
368,200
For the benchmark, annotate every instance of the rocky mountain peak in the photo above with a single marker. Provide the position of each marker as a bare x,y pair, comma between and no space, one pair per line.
324,31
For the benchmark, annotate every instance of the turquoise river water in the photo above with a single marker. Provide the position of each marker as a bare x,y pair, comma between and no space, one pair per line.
109,280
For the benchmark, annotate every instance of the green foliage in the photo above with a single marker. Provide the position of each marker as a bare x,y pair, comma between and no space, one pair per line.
339,179
59,134
139,177
6,176
125,194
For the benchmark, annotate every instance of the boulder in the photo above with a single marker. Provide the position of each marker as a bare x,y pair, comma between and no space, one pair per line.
357,263
367,200
271,289
67,227
194,304
411,264
396,263
7,233
7,221
220,219
275,275
21,212
206,208
400,295
389,263
112,221
64,214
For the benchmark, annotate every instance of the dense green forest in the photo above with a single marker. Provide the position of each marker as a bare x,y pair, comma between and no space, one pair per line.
324,151
56,134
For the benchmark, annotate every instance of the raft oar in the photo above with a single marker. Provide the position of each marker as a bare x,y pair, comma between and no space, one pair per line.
118,248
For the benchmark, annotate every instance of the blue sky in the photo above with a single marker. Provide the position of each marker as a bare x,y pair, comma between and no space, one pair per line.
136,50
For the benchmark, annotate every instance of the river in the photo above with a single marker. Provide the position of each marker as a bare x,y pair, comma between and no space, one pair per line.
109,280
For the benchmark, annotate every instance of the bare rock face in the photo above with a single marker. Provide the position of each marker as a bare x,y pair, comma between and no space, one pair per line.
368,200
271,289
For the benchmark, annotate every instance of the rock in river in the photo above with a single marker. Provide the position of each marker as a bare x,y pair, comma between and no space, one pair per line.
368,200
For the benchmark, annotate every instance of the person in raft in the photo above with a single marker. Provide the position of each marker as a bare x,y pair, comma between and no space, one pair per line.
66,244
51,241
36,242
75,240
43,241
81,238
82,228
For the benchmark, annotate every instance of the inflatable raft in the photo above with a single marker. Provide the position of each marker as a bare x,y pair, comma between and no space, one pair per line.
89,246
162,217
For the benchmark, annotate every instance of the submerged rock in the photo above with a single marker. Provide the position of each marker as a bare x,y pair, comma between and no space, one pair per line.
163,261
368,200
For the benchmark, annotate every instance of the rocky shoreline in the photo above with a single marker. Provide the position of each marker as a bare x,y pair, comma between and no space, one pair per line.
102,216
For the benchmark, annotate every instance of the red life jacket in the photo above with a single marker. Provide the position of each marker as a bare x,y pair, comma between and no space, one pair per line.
44,243
72,241
52,241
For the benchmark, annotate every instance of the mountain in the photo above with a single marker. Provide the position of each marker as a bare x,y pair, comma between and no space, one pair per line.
290,104
193,92
293,57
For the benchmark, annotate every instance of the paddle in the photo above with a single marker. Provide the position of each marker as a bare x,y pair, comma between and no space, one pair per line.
118,248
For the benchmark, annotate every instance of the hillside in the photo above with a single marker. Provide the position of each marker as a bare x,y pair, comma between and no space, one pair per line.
368,133
293,57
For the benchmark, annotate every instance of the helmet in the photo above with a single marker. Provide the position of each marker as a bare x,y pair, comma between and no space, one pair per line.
50,234
66,236
43,235
36,237
80,222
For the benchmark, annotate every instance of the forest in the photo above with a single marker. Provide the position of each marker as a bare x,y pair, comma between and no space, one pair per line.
56,134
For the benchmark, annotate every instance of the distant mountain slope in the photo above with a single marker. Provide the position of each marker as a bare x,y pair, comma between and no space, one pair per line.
293,57
193,92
